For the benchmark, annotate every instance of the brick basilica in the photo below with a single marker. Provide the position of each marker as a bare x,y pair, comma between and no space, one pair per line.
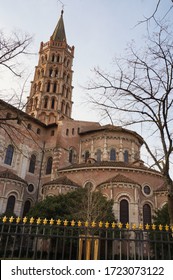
44,152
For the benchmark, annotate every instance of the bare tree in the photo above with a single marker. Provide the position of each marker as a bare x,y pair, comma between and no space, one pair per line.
11,48
154,14
141,91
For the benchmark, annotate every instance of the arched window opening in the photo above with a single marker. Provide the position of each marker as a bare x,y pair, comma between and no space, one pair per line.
36,102
126,156
53,57
56,72
29,126
26,207
113,154
8,115
32,164
10,204
67,110
71,155
62,106
9,155
54,87
45,102
146,214
89,186
99,155
38,130
48,86
124,211
68,78
38,74
50,72
49,165
53,103
67,131
86,156
67,93
52,133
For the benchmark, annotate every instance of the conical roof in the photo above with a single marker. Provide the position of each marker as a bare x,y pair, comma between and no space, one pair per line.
59,32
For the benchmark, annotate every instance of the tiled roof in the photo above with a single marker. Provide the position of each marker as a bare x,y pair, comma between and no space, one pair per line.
111,128
59,32
106,164
7,174
119,179
162,188
63,181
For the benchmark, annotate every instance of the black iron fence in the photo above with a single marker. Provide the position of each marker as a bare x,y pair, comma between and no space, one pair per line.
43,239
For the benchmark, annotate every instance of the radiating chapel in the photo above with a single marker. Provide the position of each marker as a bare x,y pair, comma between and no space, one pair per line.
44,152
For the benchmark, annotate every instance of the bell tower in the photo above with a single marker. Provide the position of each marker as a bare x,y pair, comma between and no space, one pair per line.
50,97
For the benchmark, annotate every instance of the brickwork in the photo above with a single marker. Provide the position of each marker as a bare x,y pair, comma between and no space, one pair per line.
50,153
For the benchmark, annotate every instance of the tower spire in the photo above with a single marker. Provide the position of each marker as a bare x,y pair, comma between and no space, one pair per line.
59,32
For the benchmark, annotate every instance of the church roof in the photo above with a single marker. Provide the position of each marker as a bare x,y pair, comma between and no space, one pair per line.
111,128
162,188
7,174
102,164
63,181
119,179
59,32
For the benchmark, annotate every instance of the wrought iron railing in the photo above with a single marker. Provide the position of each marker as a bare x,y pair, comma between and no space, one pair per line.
30,238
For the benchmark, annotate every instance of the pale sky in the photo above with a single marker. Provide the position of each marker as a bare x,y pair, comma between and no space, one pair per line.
99,30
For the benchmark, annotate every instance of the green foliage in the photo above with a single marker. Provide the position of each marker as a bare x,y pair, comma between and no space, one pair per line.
162,216
80,205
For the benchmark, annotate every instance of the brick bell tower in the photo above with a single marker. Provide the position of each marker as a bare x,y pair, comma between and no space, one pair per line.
50,97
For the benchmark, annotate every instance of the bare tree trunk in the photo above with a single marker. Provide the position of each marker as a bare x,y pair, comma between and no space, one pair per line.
170,207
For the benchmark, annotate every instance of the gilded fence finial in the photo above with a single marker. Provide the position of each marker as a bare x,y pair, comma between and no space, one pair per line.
4,219
51,222
31,221
45,221
11,219
18,219
58,222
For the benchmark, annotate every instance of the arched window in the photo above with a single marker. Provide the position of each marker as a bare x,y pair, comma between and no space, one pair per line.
10,204
45,102
50,72
49,165
67,109
26,208
54,87
86,156
99,154
53,57
53,103
89,186
62,106
38,130
112,154
67,131
124,211
32,164
71,155
9,155
29,126
126,156
56,72
146,214
48,86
